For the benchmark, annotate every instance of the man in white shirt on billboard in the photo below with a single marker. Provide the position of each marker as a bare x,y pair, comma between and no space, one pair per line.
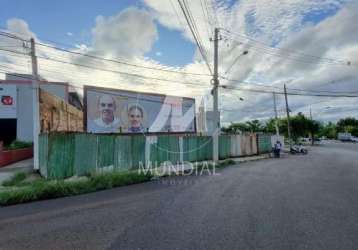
107,122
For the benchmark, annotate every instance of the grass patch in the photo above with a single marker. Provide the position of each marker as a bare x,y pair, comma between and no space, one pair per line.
15,179
226,163
47,189
18,145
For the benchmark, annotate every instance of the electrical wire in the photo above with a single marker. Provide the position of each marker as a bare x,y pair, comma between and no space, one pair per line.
194,36
120,62
286,49
288,93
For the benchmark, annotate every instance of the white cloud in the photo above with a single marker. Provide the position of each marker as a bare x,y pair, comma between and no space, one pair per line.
158,53
130,33
69,34
19,26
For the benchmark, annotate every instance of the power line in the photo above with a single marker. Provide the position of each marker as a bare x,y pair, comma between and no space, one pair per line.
217,23
160,79
9,35
120,62
194,36
108,70
293,57
286,49
282,93
106,59
116,71
205,17
293,89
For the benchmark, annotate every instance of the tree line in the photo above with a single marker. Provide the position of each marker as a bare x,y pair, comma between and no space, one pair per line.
301,126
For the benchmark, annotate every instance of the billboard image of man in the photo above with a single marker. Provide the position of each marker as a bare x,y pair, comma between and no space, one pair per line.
107,122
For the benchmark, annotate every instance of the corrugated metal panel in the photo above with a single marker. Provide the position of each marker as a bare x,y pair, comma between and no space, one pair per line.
248,144
224,146
86,153
174,150
235,145
138,150
61,154
264,143
122,153
190,148
43,154
205,148
254,146
105,149
65,155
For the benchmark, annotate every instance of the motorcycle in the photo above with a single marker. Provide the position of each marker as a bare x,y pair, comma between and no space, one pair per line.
298,149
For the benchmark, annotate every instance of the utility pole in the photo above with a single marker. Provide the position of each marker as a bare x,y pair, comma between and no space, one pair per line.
35,104
288,118
312,135
276,116
215,81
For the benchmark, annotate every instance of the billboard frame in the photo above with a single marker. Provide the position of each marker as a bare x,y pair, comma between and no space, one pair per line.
91,87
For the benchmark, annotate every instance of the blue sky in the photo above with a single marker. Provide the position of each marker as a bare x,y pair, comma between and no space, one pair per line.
52,20
298,25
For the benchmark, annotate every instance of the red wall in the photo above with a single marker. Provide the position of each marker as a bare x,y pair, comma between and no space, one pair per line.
11,156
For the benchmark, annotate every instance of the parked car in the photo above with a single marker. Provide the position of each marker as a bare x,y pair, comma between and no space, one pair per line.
354,139
344,137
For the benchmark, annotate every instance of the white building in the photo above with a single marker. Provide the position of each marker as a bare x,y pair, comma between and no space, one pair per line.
16,109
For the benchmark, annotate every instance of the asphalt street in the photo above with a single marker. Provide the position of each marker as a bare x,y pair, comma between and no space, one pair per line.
296,202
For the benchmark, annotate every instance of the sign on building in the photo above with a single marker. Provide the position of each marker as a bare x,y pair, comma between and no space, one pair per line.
121,111
7,101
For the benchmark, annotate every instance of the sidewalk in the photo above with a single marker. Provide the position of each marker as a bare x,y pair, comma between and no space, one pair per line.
10,170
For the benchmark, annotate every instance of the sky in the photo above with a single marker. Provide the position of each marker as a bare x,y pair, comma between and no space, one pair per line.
307,44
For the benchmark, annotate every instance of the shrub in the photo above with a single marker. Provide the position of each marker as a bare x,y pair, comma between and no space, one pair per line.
15,180
18,145
45,189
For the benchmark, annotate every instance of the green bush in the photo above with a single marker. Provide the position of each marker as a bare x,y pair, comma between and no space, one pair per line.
18,145
15,180
45,189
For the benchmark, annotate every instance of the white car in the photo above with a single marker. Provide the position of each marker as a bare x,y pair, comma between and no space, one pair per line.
354,139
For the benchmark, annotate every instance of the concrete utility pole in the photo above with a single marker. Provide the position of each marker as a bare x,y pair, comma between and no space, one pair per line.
35,104
288,118
215,81
276,116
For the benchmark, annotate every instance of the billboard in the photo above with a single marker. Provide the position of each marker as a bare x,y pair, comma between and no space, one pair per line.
122,111
8,100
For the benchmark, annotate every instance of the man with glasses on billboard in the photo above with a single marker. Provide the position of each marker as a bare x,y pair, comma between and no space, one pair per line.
107,122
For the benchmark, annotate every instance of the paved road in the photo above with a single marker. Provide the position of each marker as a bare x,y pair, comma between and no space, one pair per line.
299,202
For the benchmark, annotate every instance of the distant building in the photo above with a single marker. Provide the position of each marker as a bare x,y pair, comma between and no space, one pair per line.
205,121
16,109
201,120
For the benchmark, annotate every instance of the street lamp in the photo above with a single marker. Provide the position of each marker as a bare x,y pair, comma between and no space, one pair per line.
236,59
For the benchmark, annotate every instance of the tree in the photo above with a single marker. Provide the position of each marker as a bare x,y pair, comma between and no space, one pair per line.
349,125
236,128
254,126
328,130
249,126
